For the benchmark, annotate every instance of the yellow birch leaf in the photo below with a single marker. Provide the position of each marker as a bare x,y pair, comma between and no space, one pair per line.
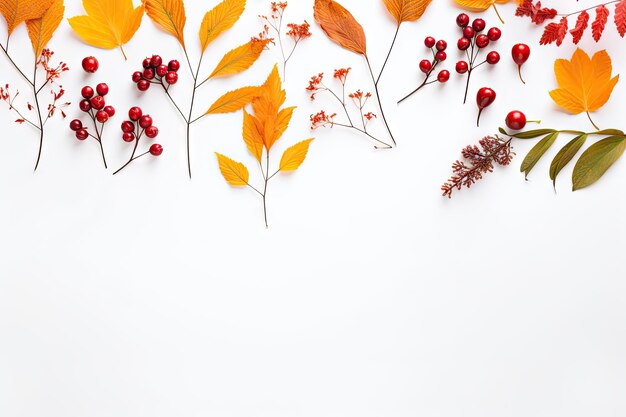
239,59
18,11
234,100
40,30
406,10
170,15
294,156
252,136
235,173
219,19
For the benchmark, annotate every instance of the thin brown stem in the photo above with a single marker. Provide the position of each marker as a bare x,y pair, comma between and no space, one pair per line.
393,42
380,104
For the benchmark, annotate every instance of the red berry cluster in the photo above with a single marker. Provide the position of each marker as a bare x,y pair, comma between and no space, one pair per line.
133,130
438,49
156,72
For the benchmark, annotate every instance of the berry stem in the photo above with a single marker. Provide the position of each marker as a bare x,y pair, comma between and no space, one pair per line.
423,84
469,75
380,104
498,13
480,111
393,42
519,71
41,131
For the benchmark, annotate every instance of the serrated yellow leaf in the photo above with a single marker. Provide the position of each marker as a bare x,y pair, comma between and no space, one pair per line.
18,11
266,107
294,156
108,24
239,59
170,15
406,10
235,173
481,5
252,136
40,30
234,100
219,19
585,84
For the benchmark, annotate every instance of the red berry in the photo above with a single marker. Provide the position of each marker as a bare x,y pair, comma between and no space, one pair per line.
127,126
82,134
493,58
443,76
155,61
463,44
516,120
173,65
145,121
85,105
137,76
441,56
87,92
482,41
128,136
135,113
520,54
468,32
494,34
90,64
425,66
479,25
146,63
171,77
98,102
441,45
152,132
102,89
429,42
156,149
162,70
76,125
148,73
110,110
462,20
462,67
102,116
143,85
484,98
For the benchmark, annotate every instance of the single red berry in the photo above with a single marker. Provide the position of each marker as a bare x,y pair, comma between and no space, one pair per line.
110,110
162,70
468,32
155,61
441,56
148,73
443,76
156,149
152,132
520,54
85,105
146,63
425,66
462,67
484,98
494,34
441,45
102,116
135,113
429,42
76,125
82,134
479,25
128,136
143,85
90,64
516,120
87,92
173,65
127,126
463,44
137,76
145,121
171,77
98,102
482,41
493,58
462,20
102,89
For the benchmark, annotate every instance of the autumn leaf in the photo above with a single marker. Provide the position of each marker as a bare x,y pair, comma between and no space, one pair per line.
294,156
108,24
234,100
596,160
272,121
252,135
170,15
482,5
18,11
585,85
40,30
340,26
239,59
235,173
221,18
407,10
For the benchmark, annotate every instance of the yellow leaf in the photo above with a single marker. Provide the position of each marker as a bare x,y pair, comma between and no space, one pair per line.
282,123
234,100
221,18
235,173
108,24
340,26
252,136
239,59
294,156
18,11
273,121
407,10
481,5
585,84
170,15
40,30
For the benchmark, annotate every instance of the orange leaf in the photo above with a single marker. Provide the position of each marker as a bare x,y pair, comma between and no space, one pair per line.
235,173
234,100
294,156
170,15
481,5
40,30
239,59
108,24
340,26
252,136
18,11
221,18
585,84
407,10
272,120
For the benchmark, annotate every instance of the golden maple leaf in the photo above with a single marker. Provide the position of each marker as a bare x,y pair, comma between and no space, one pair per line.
585,84
18,11
108,24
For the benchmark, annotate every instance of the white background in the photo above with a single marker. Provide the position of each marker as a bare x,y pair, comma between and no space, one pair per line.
147,294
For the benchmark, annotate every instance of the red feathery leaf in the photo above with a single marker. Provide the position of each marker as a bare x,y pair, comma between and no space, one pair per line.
537,14
554,32
620,17
581,25
598,25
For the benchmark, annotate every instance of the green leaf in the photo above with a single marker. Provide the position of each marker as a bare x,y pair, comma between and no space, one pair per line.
596,160
537,152
611,132
531,134
565,155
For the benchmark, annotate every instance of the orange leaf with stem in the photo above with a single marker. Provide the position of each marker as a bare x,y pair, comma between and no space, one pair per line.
40,30
219,19
170,15
18,11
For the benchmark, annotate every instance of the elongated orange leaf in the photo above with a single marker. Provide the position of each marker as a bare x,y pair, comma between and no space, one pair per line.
108,24
294,156
252,136
340,26
407,10
18,11
239,59
40,30
219,19
235,173
170,15
234,100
